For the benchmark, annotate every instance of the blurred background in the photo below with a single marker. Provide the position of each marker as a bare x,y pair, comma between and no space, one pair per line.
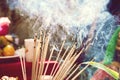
65,19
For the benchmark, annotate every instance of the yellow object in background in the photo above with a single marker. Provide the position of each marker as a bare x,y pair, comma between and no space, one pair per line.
9,37
1,52
3,41
8,50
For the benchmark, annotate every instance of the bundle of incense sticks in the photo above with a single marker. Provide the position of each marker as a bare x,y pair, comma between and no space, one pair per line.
65,68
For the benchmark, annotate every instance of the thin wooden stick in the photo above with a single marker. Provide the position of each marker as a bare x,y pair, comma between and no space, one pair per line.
66,65
72,68
45,51
34,58
41,57
38,51
64,69
61,59
22,66
36,21
39,47
75,58
73,72
64,54
66,59
81,71
67,68
44,54
49,60
57,57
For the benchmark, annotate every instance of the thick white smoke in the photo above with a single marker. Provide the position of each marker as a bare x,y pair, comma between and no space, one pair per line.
71,19
67,13
74,16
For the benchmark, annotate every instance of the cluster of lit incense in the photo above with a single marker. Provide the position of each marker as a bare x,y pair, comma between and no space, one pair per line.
64,66
61,69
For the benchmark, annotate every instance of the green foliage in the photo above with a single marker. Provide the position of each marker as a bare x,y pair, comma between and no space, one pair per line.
111,72
110,51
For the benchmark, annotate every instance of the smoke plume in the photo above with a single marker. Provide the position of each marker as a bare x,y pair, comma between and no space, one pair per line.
71,20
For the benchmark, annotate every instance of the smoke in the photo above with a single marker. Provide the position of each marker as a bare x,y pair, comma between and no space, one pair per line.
67,13
71,20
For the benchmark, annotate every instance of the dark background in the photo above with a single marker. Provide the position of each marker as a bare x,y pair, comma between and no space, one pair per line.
114,7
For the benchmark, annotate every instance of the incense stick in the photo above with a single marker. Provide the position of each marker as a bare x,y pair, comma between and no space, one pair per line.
67,68
43,56
66,59
57,57
75,58
64,69
72,68
23,69
64,63
34,58
45,51
51,54
62,58
73,72
38,52
36,21
81,71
